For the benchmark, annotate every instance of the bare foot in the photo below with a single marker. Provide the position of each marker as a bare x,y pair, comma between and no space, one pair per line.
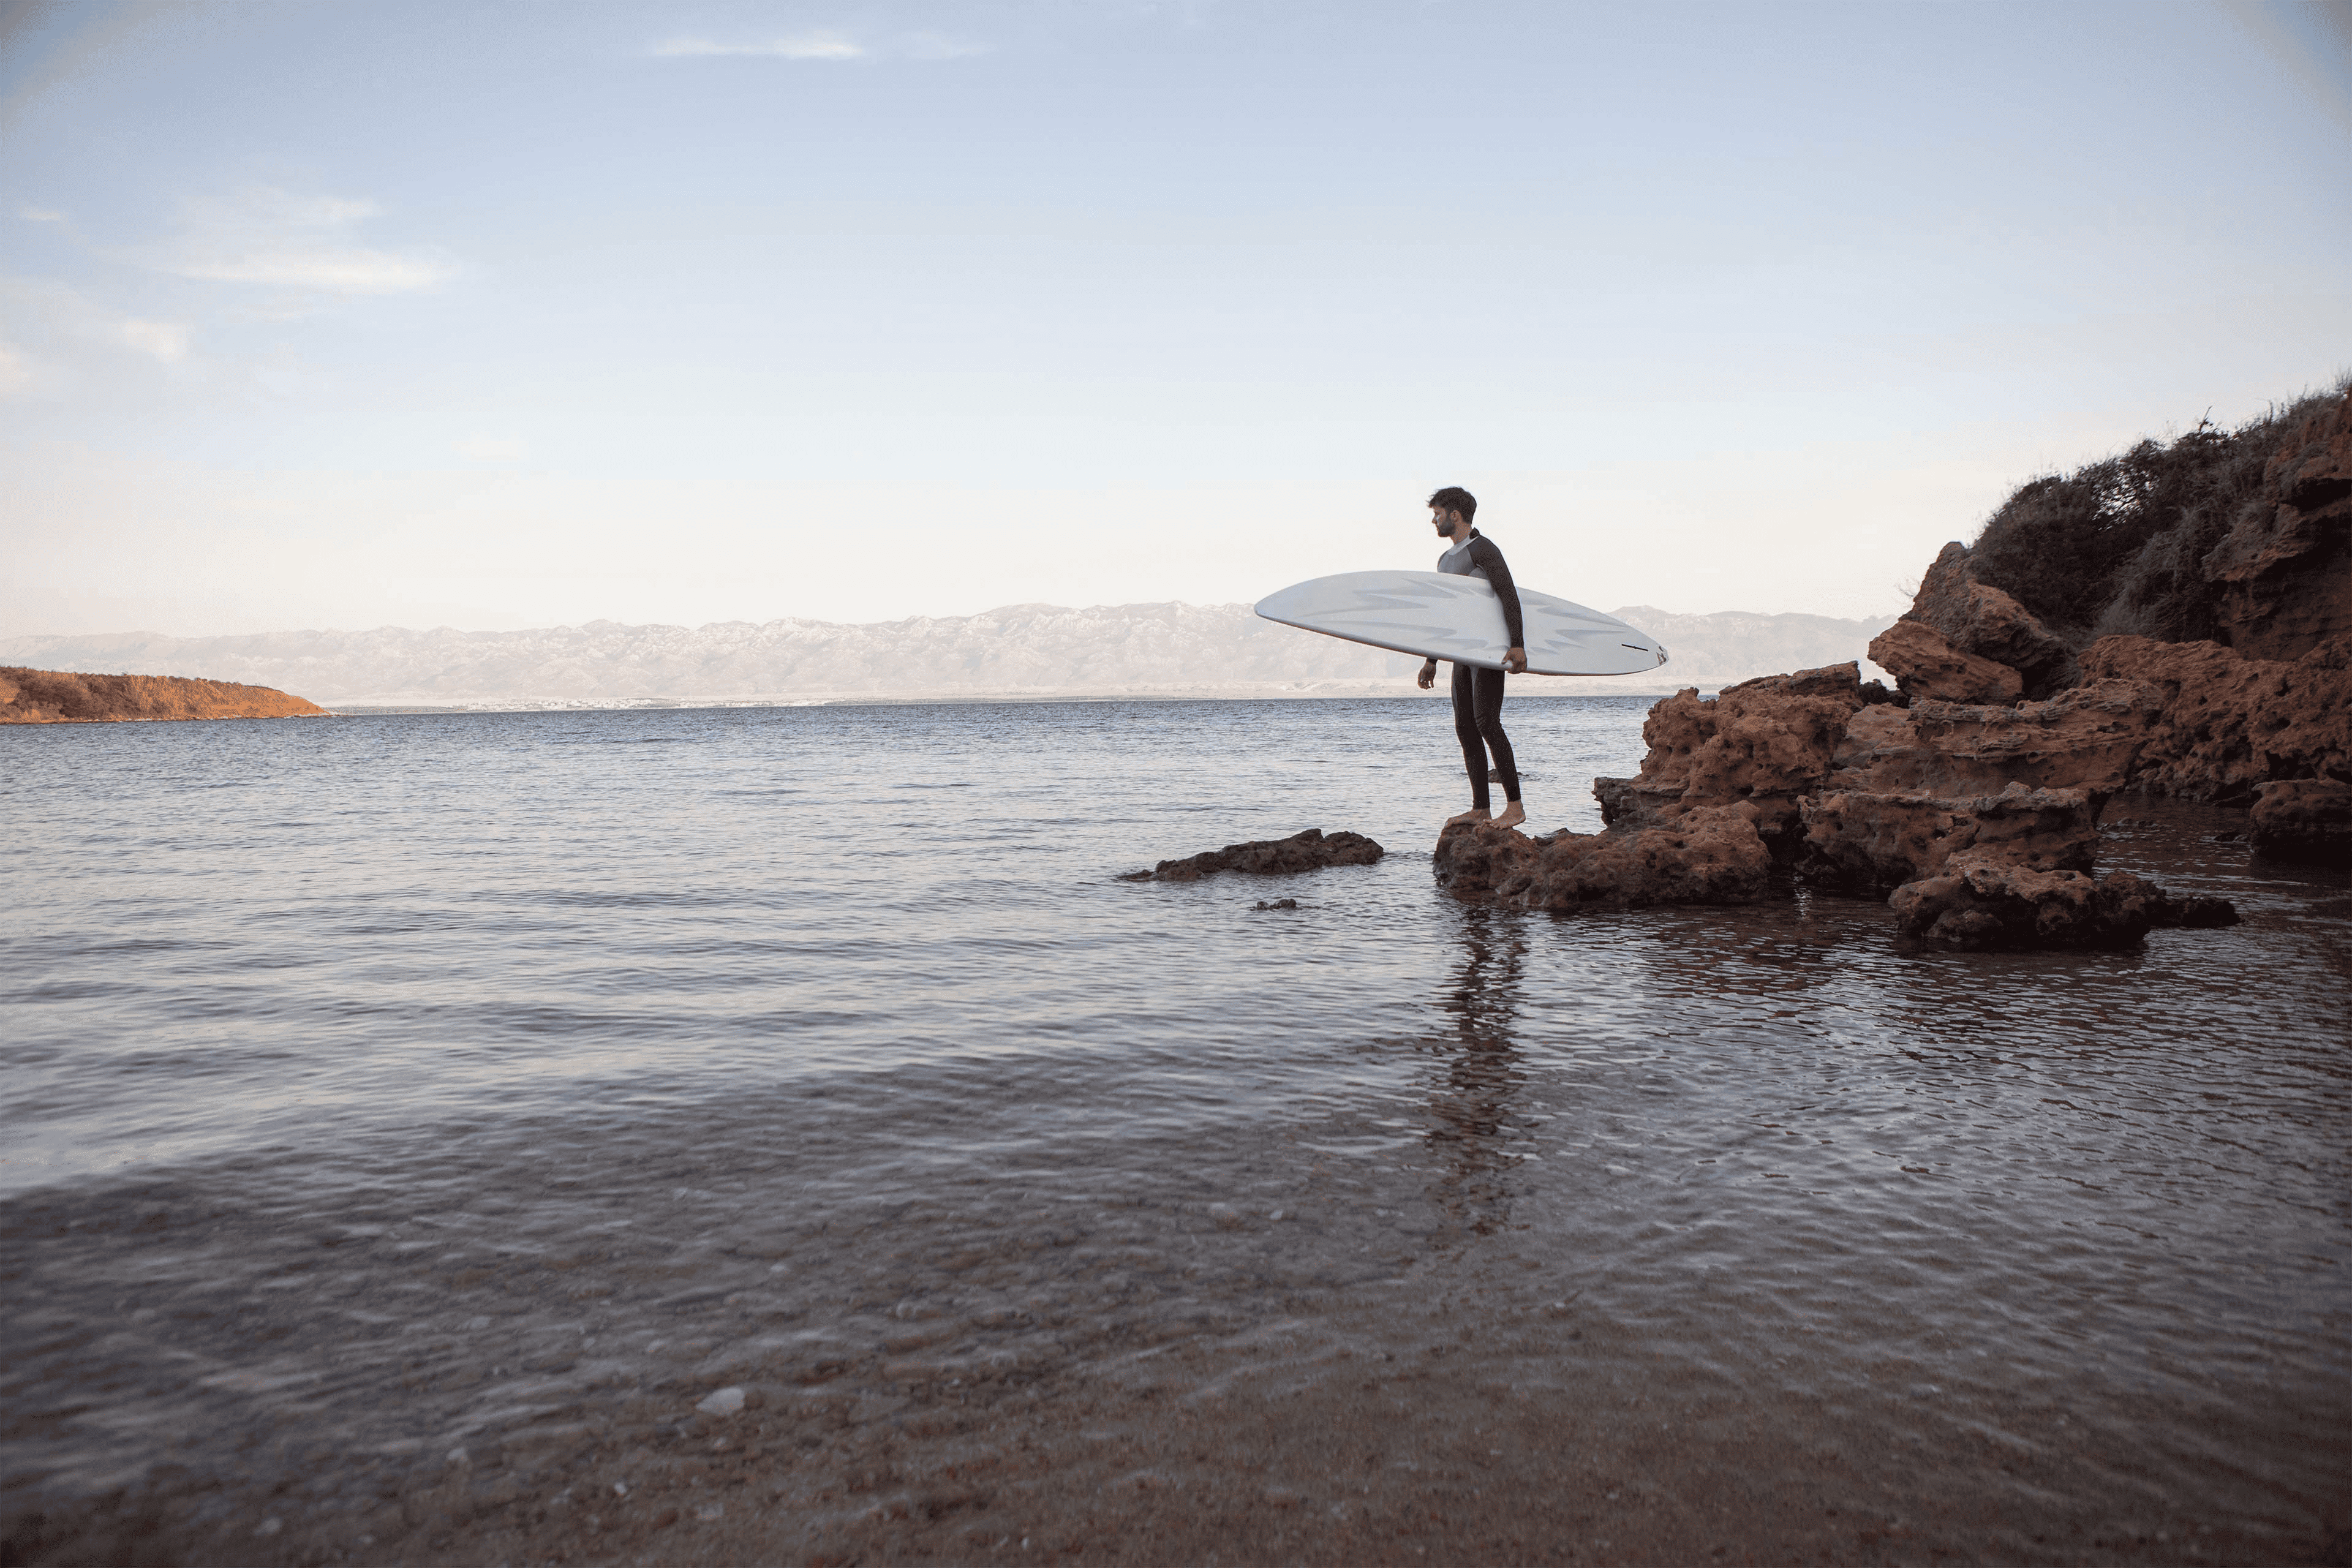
1476,814
1512,815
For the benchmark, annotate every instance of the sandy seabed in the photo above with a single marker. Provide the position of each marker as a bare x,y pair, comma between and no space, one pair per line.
504,1365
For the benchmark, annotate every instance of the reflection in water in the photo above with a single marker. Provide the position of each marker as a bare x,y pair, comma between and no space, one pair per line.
1472,1124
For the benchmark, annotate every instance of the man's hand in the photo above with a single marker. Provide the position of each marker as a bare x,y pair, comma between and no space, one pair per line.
1428,675
1515,661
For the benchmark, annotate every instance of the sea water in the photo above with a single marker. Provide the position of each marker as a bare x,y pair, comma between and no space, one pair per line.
354,1069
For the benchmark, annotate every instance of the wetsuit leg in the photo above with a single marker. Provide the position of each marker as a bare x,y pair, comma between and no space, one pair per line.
1487,703
1473,745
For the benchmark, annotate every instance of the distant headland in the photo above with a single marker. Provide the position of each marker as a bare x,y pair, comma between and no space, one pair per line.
64,697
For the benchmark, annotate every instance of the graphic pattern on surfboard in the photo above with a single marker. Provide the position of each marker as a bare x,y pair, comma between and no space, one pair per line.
1439,616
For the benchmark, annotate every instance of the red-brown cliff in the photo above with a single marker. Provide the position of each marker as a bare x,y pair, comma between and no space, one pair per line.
64,697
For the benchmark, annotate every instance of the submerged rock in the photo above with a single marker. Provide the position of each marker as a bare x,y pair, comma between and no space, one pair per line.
1710,855
1981,903
1308,851
2303,819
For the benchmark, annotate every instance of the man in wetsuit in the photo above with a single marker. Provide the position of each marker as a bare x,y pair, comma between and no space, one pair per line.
1479,693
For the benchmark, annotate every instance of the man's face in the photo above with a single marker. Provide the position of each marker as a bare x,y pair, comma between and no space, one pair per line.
1447,523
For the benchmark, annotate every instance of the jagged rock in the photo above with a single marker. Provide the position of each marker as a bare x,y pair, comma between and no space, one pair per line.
1764,742
1980,619
2223,724
1925,664
1308,851
2303,819
1980,903
1631,803
1870,844
2285,569
1707,855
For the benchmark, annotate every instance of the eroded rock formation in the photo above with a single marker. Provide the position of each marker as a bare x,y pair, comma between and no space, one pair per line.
1971,800
2221,724
1925,664
2285,569
2308,820
1308,851
1986,622
1868,845
59,697
1709,855
1982,902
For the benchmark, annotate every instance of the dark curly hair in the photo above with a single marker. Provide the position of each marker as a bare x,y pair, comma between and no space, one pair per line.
1454,498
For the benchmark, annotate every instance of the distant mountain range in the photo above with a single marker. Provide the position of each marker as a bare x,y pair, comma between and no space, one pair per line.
1022,651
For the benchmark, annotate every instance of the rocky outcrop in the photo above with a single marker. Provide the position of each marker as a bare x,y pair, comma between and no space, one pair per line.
1707,855
2085,738
1308,851
1971,803
1986,622
1764,743
57,697
1925,664
2221,724
1868,845
2309,820
1982,902
2285,569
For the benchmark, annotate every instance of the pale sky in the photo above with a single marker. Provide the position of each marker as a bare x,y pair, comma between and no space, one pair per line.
353,314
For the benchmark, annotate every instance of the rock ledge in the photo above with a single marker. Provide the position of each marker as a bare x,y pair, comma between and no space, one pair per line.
1309,852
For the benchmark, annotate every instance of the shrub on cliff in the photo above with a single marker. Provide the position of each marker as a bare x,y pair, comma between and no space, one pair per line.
2118,546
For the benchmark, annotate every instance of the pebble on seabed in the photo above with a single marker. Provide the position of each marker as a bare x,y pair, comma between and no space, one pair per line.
725,1401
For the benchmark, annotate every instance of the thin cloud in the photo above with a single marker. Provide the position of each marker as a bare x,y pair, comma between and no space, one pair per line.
16,370
164,341
40,214
491,448
823,46
65,316
266,235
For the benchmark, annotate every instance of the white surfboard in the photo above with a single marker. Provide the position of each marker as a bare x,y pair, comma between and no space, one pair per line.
1439,616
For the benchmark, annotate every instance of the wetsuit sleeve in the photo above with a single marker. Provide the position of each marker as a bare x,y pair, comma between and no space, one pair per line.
1498,576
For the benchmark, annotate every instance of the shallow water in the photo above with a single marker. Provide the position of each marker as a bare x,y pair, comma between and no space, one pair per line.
386,1088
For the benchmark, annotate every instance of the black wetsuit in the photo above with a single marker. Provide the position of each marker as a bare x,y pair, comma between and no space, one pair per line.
1479,693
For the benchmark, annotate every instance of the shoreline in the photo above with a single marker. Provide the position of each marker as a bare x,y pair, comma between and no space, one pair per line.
991,700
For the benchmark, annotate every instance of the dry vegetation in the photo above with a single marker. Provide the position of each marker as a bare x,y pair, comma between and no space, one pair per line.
2121,545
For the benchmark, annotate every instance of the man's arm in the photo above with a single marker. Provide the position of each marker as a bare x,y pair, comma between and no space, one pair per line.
1484,554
